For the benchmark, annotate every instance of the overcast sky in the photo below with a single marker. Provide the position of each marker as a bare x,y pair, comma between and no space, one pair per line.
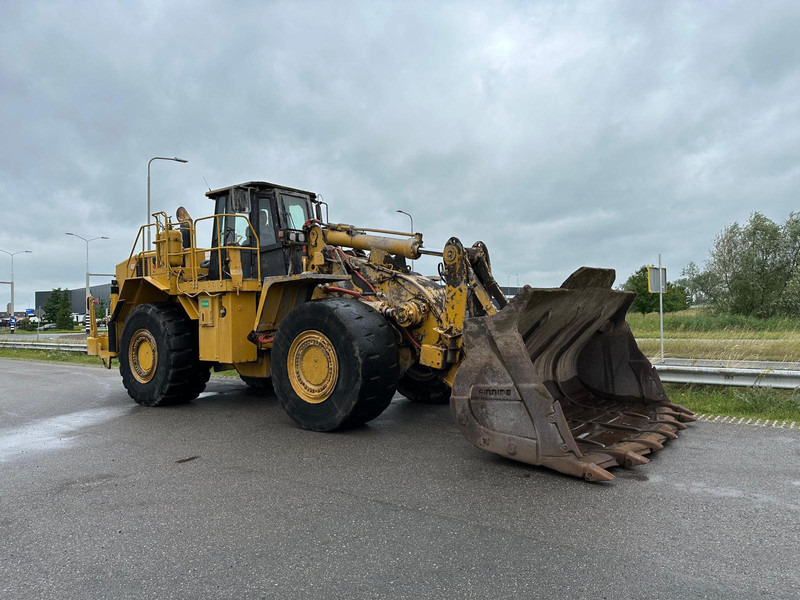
561,134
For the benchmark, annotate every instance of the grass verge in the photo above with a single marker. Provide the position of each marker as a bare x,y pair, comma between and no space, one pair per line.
729,349
700,333
698,320
74,358
50,355
758,403
43,332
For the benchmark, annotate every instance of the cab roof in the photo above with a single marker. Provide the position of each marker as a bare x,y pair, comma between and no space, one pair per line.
260,185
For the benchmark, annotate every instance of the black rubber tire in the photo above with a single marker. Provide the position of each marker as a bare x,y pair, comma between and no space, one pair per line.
368,357
423,385
200,378
260,384
180,376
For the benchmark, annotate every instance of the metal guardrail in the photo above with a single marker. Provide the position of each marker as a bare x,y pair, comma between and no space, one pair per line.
730,373
671,370
43,346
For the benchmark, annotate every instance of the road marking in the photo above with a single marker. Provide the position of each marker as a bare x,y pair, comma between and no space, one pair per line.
708,418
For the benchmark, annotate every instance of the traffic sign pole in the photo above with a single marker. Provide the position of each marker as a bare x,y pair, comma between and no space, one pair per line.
661,286
40,315
657,284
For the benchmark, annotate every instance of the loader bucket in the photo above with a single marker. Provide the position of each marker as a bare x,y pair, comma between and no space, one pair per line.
556,379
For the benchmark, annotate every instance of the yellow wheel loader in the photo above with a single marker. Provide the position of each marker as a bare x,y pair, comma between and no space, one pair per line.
332,318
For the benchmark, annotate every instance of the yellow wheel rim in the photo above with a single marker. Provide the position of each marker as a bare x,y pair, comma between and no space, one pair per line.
143,355
313,366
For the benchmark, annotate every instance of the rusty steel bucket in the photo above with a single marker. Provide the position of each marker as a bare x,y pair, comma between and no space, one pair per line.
556,379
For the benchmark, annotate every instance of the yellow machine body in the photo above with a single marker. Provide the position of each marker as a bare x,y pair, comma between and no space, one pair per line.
554,378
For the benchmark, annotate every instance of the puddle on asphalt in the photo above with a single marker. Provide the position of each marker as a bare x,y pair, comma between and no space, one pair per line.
53,432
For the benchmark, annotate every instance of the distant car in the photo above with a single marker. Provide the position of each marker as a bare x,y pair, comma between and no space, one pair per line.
48,326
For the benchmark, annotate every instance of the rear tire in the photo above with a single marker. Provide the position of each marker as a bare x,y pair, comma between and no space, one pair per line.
423,385
335,364
158,356
260,384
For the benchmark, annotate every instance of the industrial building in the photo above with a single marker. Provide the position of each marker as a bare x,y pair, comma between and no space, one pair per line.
77,297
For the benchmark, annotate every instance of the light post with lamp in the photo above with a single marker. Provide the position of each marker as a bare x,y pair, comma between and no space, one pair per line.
174,158
11,283
100,237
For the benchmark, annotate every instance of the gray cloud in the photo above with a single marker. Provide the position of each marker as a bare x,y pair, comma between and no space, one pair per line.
560,134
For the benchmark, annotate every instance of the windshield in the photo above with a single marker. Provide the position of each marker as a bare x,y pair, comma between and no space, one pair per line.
295,210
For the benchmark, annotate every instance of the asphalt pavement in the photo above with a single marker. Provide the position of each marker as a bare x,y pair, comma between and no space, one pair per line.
227,498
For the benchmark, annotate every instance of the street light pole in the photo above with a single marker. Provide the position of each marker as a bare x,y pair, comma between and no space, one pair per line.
174,158
12,255
100,237
412,230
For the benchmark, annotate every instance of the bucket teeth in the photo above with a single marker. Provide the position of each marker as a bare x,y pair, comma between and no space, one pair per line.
632,459
627,458
591,472
557,376
687,414
648,443
670,420
670,434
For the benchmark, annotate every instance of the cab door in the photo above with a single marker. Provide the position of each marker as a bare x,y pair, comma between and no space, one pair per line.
273,261
295,210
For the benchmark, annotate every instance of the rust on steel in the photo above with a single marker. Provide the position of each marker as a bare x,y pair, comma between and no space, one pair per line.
556,379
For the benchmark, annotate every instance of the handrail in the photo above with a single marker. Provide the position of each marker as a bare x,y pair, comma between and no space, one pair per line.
218,248
190,265
144,252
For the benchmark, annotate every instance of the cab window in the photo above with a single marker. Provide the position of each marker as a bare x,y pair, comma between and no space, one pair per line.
237,232
295,211
266,228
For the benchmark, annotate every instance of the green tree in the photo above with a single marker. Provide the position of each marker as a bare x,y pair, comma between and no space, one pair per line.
675,297
750,267
52,304
698,284
26,324
789,303
100,310
64,318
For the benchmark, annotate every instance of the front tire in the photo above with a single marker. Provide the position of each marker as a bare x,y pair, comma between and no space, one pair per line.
159,359
335,364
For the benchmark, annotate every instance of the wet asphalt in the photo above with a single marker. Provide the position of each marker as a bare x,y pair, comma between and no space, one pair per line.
227,498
